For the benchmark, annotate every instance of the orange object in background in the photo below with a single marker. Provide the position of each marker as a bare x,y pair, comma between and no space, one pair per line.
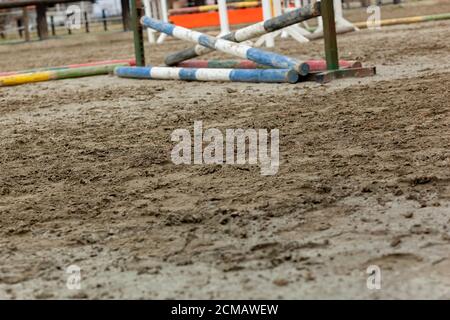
211,19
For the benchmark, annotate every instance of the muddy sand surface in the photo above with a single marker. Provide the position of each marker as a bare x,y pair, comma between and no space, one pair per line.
86,177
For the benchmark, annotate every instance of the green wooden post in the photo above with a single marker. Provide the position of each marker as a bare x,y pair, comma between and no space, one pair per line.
136,14
329,34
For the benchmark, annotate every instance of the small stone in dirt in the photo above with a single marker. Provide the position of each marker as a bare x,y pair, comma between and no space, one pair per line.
408,215
173,118
419,229
11,247
323,226
148,270
191,218
184,261
398,192
79,295
230,90
436,204
280,282
396,241
423,180
232,267
323,189
44,295
411,196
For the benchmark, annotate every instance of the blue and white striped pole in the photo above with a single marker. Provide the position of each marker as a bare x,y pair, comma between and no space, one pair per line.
243,51
205,74
252,31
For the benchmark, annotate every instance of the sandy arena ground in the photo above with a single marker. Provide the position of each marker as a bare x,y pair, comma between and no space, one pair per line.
86,177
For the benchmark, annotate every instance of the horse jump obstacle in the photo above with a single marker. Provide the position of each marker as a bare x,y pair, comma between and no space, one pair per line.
18,79
209,74
252,31
206,44
239,13
242,51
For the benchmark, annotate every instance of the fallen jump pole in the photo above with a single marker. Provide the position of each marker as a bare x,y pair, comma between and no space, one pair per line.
199,74
256,30
226,64
18,79
130,62
314,65
242,51
407,20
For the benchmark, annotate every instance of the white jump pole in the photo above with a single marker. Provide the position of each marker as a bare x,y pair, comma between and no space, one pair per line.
277,11
341,22
295,31
268,39
223,16
158,10
148,12
165,18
